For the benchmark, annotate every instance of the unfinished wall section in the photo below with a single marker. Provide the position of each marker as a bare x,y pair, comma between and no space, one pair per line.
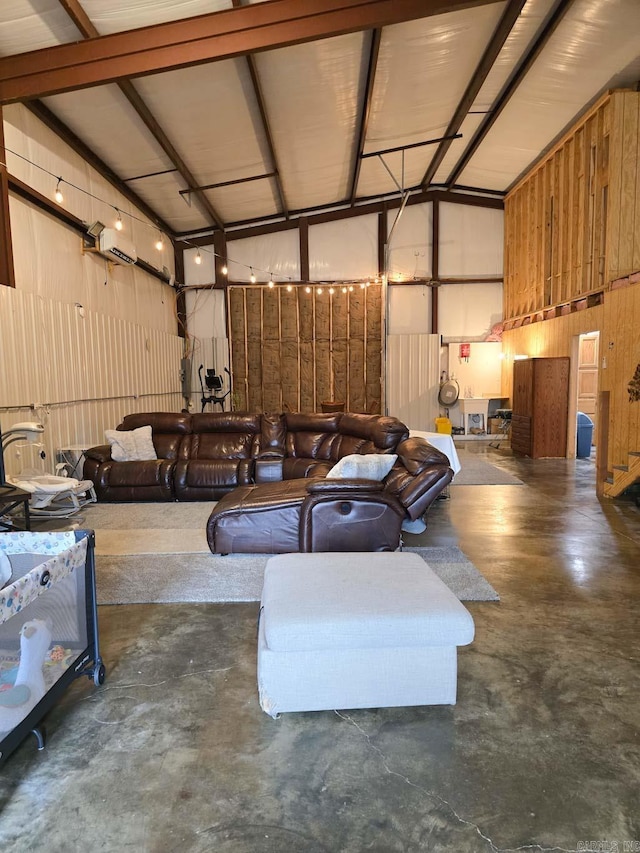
292,350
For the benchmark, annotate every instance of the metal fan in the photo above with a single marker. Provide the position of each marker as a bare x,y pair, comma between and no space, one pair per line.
449,393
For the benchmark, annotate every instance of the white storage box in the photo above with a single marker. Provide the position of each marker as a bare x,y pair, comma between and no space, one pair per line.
357,631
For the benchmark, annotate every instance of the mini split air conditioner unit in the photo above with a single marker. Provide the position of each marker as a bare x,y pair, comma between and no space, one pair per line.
116,248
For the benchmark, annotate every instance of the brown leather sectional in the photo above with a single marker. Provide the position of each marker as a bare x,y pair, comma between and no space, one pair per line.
267,472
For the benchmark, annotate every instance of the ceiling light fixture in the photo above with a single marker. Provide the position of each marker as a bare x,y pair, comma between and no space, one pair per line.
224,269
198,258
59,197
159,242
119,225
252,277
271,282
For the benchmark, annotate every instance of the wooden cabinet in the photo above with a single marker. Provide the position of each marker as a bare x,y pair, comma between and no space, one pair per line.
540,407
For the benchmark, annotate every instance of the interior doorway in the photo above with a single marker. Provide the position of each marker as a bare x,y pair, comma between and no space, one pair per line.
587,384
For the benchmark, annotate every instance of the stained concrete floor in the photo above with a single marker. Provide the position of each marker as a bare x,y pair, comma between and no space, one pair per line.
541,752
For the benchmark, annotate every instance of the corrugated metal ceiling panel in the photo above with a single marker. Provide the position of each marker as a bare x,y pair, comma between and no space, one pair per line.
104,119
313,95
524,31
27,26
112,16
594,42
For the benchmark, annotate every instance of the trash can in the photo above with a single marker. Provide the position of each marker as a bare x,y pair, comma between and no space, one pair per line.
585,436
443,425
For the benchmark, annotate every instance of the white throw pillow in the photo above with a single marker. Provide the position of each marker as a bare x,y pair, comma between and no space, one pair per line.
134,445
363,466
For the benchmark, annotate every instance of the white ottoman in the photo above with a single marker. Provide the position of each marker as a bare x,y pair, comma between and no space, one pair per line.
357,630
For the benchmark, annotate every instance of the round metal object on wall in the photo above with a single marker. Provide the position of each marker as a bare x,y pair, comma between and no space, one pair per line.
449,393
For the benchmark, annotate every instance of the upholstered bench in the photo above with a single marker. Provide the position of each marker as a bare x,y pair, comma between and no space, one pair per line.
357,630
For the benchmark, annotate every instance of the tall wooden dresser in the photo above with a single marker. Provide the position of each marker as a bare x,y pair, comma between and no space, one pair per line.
540,407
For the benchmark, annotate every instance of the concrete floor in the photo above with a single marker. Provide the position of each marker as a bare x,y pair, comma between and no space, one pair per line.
542,751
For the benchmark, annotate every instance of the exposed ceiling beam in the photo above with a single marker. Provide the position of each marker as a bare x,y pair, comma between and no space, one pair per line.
67,135
366,110
205,38
505,25
561,8
84,24
257,89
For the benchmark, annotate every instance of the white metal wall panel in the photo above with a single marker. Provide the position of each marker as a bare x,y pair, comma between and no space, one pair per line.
409,309
471,241
344,250
312,94
410,248
594,42
68,363
468,311
269,254
413,372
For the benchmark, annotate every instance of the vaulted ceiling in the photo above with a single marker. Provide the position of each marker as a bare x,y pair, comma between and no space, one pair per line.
220,113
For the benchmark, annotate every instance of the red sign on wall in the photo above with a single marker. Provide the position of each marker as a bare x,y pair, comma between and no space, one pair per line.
465,350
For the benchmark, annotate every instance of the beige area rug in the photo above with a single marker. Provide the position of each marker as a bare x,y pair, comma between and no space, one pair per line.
158,553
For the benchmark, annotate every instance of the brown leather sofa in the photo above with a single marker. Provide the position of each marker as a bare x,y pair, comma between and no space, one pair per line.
268,474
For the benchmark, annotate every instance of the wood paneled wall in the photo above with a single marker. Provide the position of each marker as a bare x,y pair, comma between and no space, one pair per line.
293,350
573,224
620,349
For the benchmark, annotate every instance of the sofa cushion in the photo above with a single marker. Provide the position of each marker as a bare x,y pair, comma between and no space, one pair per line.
134,445
368,466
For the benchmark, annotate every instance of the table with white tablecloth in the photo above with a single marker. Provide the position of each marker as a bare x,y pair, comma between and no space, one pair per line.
444,443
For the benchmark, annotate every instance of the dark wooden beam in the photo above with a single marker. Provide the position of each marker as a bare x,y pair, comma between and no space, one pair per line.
247,229
257,89
67,135
549,27
205,38
7,274
304,248
505,25
86,27
435,262
220,258
374,50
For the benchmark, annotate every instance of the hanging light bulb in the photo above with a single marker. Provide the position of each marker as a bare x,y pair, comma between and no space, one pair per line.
319,291
59,197
289,288
331,291
118,220
362,286
344,289
159,242
252,277
307,289
198,258
225,269
271,282
350,288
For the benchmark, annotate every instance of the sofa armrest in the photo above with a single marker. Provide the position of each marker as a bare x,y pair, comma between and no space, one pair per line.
101,453
341,487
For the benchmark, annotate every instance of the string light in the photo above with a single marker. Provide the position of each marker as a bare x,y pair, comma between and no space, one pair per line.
160,242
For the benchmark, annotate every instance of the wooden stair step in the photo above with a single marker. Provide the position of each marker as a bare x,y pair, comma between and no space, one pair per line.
620,467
